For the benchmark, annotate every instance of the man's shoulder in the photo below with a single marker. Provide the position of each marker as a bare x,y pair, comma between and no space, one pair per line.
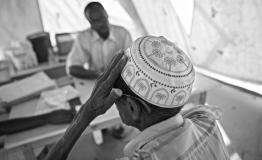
86,33
192,111
117,28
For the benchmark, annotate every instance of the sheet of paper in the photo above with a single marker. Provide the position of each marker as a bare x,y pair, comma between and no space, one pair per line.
57,96
43,107
55,99
19,90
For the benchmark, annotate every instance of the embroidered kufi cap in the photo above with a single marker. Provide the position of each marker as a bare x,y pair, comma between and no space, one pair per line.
159,72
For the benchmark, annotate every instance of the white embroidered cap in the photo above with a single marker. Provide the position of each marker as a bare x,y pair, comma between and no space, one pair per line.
159,72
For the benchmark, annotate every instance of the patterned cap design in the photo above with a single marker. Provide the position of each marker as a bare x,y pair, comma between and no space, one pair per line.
159,72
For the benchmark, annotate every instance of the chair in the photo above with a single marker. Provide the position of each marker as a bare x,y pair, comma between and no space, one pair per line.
64,42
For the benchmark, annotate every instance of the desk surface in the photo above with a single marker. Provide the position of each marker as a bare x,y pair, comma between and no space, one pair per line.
111,117
37,134
41,67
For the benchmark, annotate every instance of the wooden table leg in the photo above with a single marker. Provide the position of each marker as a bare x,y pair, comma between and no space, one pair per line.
98,136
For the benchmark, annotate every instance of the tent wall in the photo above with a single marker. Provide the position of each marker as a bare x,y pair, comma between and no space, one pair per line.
160,19
227,37
67,16
129,6
18,19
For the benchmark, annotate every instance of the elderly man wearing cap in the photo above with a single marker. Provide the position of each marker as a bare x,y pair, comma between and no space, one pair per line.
149,85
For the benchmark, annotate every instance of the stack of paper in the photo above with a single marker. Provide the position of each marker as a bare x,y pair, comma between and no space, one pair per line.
25,89
55,99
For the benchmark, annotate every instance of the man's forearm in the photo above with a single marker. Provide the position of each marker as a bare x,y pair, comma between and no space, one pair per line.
63,147
20,124
102,98
80,72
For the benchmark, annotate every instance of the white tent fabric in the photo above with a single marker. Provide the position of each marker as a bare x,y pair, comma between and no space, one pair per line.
160,19
132,11
17,20
225,36
184,10
61,16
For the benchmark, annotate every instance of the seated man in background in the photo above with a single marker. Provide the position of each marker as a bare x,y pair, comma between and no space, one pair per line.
95,47
153,82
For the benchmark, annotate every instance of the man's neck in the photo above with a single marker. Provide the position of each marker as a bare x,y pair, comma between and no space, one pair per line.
104,37
152,121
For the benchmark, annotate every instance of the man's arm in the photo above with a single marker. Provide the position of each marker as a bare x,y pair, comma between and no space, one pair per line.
102,98
20,124
80,72
76,60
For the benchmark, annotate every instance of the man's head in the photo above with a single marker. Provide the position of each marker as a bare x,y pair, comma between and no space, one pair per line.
138,113
156,82
98,18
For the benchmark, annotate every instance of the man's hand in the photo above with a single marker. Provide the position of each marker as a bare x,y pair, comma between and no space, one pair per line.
104,95
102,98
60,116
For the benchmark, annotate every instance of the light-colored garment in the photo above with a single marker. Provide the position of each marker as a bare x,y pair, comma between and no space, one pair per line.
92,51
198,138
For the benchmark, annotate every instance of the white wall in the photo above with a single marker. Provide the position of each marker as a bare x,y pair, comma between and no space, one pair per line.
227,37
18,18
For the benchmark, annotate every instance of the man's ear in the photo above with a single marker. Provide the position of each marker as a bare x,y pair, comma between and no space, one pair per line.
106,14
87,16
135,109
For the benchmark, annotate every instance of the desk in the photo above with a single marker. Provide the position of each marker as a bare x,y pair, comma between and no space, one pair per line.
41,67
41,136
